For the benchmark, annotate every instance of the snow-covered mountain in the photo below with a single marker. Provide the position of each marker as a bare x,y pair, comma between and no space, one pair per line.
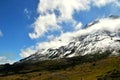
97,37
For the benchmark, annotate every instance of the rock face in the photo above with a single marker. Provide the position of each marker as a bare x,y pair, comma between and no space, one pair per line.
99,36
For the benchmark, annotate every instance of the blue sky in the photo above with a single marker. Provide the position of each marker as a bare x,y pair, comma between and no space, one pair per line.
22,22
15,25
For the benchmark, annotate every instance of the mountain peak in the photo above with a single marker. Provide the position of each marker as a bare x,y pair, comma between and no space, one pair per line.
99,36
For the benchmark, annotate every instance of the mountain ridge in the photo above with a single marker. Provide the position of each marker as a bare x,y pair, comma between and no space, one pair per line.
97,40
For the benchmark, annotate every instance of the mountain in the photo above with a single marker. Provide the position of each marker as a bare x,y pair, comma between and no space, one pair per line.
93,54
97,37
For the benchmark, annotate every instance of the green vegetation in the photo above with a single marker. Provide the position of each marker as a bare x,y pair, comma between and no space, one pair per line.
111,75
89,67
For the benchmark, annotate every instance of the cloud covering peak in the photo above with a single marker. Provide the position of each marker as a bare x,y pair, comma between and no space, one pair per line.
108,24
53,13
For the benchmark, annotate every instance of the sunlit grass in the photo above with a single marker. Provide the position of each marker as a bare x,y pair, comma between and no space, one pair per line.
85,71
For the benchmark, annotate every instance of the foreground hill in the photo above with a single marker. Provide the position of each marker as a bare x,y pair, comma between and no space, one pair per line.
89,67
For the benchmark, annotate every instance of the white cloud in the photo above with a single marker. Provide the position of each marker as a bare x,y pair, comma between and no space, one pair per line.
78,26
100,3
50,37
65,7
44,24
118,3
27,52
4,60
64,39
27,13
48,19
1,34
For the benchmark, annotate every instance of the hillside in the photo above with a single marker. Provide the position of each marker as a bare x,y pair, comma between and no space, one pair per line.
89,67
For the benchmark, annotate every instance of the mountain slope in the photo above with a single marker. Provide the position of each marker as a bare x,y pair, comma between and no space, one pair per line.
65,69
99,36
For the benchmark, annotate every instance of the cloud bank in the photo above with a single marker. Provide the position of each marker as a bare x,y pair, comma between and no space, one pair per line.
4,60
53,13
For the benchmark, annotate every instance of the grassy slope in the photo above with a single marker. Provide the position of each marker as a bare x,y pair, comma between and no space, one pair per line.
85,71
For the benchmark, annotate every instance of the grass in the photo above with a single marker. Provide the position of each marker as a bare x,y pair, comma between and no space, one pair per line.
101,69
